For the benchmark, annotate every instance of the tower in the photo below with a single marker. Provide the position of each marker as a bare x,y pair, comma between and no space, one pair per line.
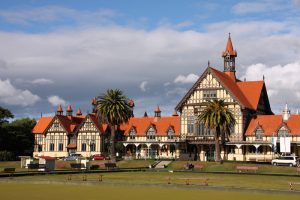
59,110
286,113
69,110
229,56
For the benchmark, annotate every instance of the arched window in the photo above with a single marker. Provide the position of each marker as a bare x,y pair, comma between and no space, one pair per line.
170,134
283,132
132,134
151,134
259,133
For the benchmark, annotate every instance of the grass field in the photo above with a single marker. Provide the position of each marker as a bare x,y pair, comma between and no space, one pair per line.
12,191
160,179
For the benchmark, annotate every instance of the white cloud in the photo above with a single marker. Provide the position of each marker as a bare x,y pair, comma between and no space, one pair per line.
260,6
190,78
54,13
143,86
56,100
282,82
42,81
13,96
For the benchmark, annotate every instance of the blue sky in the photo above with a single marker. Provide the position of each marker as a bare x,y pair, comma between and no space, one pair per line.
66,52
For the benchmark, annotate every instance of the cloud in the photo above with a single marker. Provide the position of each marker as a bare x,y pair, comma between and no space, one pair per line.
56,100
190,78
42,81
10,95
54,13
260,6
143,86
282,82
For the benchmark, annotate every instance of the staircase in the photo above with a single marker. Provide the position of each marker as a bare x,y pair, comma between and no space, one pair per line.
162,164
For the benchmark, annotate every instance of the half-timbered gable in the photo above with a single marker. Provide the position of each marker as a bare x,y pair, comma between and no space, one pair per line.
89,136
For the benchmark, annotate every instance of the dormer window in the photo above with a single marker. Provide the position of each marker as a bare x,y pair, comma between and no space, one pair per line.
132,134
259,133
283,132
151,134
170,134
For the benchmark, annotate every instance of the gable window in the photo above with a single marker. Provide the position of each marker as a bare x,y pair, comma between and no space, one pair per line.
259,134
151,134
209,94
170,134
190,124
283,132
132,134
55,125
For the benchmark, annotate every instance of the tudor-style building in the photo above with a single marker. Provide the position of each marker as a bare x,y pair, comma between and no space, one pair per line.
258,135
244,98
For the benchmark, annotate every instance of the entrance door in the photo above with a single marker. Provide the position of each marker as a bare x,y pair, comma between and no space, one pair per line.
209,152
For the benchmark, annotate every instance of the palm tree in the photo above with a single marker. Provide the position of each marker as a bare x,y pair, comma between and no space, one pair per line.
113,108
218,118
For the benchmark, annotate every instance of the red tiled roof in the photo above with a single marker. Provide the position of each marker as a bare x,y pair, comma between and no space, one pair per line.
162,124
232,86
42,125
252,91
271,123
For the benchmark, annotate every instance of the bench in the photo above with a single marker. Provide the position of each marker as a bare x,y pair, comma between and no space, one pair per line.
76,166
198,167
9,170
33,166
246,168
110,165
203,181
292,184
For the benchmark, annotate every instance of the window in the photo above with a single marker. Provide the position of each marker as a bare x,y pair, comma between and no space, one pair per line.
231,149
52,139
83,146
170,134
259,134
51,147
283,132
56,125
203,131
40,148
60,147
132,134
93,147
209,94
190,124
151,134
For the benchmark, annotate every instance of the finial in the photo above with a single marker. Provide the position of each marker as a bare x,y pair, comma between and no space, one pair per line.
208,64
229,34
263,77
245,79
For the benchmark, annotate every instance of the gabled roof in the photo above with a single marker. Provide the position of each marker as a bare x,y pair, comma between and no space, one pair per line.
252,91
161,125
42,125
247,93
271,124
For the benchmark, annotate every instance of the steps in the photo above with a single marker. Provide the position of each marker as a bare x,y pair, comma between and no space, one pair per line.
162,164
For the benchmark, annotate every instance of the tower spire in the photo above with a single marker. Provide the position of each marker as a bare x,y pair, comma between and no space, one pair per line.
229,56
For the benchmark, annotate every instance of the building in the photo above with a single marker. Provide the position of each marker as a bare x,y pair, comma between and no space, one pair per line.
258,134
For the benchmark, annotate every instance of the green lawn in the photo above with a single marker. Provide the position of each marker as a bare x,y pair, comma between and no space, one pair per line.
160,179
95,192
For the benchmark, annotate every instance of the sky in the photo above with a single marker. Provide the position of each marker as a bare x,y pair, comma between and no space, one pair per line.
68,51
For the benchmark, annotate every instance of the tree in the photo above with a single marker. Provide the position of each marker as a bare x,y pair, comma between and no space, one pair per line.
113,108
217,117
4,115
